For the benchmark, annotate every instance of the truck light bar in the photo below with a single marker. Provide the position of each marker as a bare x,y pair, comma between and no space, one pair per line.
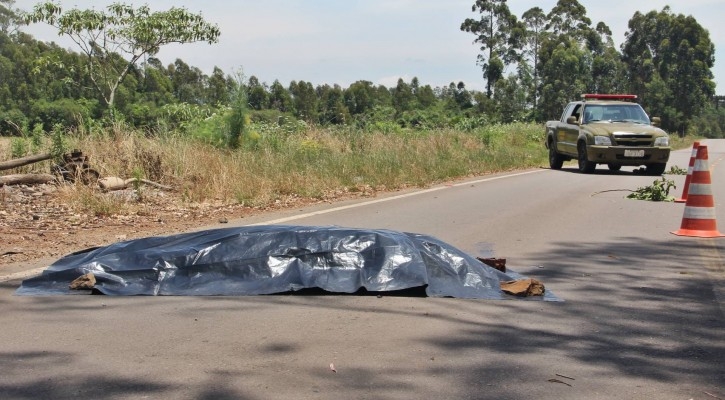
594,96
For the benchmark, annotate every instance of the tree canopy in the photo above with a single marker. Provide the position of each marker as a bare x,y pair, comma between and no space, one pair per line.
532,67
499,35
114,40
669,59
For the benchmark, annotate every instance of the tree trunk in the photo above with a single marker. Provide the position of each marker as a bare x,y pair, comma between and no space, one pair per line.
26,179
19,162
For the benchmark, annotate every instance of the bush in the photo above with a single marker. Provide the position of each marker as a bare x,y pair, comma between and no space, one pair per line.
143,115
182,116
13,123
711,124
66,112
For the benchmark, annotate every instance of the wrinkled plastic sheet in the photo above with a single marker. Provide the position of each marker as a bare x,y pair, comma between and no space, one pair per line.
257,260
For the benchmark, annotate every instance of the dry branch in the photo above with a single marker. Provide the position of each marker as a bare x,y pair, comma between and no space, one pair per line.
148,182
111,183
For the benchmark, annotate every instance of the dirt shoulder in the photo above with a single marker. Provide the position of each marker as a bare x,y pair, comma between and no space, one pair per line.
37,225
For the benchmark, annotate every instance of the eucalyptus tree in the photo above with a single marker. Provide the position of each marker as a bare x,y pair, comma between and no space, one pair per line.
415,85
257,94
114,40
565,57
535,21
8,15
463,97
425,97
510,100
304,99
499,35
156,86
331,105
38,76
188,82
602,69
384,98
279,98
564,76
669,60
456,97
360,97
569,17
608,70
403,99
219,87
711,123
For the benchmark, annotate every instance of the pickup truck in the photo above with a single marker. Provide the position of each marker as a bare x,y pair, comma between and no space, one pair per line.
609,129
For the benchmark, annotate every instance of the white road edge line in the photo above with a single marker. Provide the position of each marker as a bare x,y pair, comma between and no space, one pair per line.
398,197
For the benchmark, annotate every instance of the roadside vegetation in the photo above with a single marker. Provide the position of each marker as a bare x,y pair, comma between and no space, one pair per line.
311,163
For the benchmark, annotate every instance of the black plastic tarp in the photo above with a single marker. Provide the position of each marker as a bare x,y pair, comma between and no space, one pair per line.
271,259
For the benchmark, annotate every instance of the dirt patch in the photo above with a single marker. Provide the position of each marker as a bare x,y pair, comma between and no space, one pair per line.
36,222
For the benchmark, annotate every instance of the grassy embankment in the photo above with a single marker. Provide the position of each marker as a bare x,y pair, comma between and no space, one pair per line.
315,163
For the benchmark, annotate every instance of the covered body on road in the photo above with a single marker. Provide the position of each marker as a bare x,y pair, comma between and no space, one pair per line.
275,259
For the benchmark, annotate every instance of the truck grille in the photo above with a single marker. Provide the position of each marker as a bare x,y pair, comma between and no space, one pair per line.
633,140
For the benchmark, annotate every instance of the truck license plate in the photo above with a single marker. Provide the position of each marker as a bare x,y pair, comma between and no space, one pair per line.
634,153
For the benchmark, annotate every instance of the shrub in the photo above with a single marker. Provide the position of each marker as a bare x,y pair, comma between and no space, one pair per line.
66,112
13,123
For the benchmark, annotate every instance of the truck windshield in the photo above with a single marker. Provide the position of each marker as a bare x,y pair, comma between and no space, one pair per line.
615,113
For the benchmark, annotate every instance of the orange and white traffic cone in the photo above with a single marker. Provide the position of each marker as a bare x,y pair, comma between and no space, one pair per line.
699,217
693,156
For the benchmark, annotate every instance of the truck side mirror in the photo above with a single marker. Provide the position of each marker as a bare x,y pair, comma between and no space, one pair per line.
571,120
656,121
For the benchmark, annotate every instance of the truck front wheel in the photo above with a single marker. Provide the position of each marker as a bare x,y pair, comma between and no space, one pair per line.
555,159
656,169
614,167
585,166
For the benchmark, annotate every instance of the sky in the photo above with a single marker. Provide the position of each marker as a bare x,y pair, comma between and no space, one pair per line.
343,41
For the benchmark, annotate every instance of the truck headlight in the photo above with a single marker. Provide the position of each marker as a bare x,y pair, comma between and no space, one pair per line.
662,142
602,141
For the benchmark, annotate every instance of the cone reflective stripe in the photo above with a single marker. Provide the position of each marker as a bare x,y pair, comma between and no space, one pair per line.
699,214
699,189
690,168
699,219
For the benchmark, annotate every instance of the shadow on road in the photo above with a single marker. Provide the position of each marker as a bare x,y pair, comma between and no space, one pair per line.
637,311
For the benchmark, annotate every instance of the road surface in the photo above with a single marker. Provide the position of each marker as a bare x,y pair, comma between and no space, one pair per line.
642,317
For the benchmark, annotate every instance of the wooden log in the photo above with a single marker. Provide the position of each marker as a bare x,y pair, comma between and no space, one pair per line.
26,179
110,183
19,162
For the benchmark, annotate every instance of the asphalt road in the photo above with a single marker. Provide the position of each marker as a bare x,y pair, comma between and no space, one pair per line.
642,318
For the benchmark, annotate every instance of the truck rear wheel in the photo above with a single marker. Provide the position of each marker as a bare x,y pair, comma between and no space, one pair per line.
585,166
555,159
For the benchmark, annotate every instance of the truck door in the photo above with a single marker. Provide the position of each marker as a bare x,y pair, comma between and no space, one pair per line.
568,134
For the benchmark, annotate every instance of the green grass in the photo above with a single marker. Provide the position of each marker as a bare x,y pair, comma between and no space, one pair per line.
312,163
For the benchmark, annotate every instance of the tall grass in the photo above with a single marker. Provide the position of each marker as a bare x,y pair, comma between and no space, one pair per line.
313,163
